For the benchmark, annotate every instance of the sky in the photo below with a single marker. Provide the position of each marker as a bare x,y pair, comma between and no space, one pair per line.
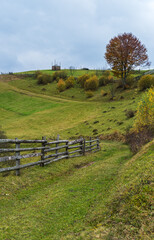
34,34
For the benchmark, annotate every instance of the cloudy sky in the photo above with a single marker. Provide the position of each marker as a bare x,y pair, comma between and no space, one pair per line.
35,33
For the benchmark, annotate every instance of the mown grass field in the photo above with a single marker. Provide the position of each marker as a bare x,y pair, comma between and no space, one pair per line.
105,195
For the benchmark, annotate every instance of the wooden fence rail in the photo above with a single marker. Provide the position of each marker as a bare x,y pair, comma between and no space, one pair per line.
48,151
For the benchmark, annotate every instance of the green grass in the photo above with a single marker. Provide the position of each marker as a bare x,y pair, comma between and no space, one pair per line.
54,201
106,195
81,198
29,115
76,72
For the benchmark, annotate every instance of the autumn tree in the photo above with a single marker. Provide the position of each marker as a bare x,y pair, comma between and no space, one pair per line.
124,53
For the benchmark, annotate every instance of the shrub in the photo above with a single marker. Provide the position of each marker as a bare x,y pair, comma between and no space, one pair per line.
89,94
91,83
82,79
103,81
145,82
145,111
47,78
106,73
61,85
59,74
70,82
110,79
130,81
41,80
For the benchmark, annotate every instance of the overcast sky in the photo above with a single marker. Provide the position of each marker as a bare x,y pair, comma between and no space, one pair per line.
35,33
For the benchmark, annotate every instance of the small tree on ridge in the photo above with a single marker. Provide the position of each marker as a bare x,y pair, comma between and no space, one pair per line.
125,52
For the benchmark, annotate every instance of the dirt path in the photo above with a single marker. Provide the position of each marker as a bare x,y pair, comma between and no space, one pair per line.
7,78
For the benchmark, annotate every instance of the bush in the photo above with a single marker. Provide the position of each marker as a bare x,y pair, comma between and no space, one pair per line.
82,79
59,75
106,73
91,83
145,111
47,78
130,81
145,82
61,85
43,79
89,94
110,79
103,81
70,82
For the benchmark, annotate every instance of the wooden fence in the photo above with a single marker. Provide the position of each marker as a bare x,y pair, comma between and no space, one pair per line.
48,151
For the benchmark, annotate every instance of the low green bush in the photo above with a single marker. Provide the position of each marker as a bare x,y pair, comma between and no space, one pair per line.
130,81
91,83
145,82
103,81
41,80
59,75
61,85
106,73
70,82
82,79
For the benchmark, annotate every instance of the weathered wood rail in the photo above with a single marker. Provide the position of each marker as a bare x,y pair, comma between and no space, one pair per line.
49,151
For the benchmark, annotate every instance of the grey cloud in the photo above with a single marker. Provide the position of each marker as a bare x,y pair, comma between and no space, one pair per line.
34,33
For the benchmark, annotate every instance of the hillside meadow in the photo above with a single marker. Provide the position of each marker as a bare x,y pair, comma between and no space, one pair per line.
104,195
27,111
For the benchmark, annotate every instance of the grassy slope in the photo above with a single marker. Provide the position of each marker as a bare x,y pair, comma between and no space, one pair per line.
106,195
61,198
129,209
67,200
36,115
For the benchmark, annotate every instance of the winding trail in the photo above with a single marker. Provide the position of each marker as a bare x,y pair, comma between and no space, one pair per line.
32,94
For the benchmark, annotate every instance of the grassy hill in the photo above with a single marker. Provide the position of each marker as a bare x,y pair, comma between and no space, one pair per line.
25,107
105,195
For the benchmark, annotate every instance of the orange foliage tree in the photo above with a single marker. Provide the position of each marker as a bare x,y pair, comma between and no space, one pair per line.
124,53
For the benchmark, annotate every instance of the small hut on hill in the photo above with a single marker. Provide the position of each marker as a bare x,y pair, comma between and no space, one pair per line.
56,67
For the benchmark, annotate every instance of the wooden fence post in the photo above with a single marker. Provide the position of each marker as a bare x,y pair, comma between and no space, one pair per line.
84,146
98,147
67,153
90,144
58,137
17,154
42,152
